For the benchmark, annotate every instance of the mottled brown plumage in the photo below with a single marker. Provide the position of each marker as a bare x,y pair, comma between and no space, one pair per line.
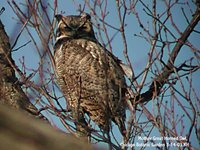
90,77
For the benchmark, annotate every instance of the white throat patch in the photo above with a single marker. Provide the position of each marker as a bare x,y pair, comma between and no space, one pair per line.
60,37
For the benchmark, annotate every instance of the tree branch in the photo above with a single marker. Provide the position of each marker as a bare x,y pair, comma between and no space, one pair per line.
162,78
22,132
10,89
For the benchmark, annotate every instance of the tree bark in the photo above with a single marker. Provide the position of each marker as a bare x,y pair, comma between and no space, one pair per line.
10,89
18,131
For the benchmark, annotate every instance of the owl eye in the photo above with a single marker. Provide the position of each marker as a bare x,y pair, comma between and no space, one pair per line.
83,27
66,27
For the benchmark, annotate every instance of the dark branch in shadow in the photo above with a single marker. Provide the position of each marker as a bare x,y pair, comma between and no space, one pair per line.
161,79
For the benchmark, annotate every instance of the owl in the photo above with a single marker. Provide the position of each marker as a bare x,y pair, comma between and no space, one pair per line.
91,78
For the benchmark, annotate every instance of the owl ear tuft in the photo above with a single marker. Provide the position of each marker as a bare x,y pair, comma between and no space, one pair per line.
86,16
58,17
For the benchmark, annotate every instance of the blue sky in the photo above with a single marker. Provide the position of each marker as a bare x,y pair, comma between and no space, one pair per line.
138,48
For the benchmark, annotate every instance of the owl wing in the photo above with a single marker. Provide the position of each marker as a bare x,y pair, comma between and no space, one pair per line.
126,68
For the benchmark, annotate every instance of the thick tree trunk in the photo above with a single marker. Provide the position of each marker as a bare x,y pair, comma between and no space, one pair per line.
18,131
10,90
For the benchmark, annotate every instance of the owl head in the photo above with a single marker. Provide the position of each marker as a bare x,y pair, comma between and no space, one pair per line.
74,27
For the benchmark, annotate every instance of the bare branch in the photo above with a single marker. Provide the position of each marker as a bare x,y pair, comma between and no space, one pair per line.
161,79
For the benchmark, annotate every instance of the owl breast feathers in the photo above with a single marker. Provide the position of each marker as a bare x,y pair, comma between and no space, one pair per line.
90,77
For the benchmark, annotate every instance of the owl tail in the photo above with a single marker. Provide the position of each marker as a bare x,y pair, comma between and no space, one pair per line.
121,125
82,129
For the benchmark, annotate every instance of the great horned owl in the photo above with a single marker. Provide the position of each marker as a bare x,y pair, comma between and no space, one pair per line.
90,77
